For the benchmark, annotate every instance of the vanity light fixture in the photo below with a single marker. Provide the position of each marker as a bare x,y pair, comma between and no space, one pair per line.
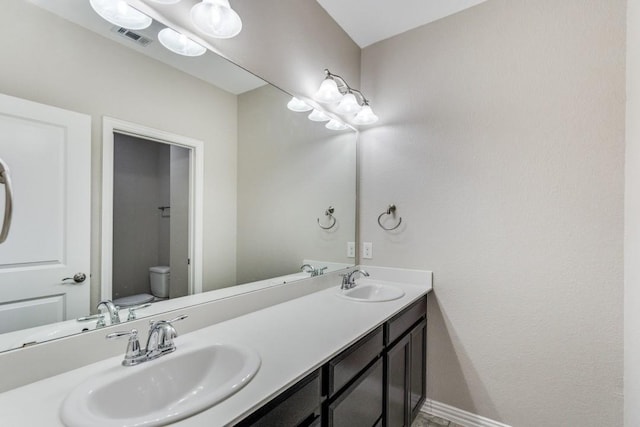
350,101
334,124
298,105
215,18
179,43
328,91
119,13
365,116
348,104
318,116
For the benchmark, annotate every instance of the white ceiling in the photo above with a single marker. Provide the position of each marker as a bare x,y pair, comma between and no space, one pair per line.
369,21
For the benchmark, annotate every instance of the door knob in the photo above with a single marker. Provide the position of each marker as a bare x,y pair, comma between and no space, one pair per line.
78,278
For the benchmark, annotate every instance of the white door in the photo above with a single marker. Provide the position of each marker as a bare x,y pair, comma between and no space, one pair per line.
48,153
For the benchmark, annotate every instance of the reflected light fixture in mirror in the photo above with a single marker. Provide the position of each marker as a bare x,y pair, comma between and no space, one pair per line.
179,43
216,19
119,13
334,124
318,116
298,105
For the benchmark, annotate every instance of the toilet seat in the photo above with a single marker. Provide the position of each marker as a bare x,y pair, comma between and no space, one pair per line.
133,300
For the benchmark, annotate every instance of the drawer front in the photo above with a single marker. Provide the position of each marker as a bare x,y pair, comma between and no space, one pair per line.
401,322
346,366
361,404
295,406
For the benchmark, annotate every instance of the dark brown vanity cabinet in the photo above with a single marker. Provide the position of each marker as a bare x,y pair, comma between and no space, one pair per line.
299,406
380,381
405,365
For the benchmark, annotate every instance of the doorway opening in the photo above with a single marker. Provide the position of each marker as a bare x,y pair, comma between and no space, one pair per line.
151,244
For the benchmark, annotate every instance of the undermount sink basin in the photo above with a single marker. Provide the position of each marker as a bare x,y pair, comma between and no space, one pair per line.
163,390
372,292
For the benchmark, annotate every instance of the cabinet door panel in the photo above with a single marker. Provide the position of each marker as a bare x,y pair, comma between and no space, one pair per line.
361,404
398,363
418,388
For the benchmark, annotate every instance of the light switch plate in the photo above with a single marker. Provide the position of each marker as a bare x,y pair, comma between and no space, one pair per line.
367,250
351,249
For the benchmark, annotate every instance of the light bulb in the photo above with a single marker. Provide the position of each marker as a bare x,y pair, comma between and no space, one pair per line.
334,124
298,105
348,105
179,43
318,116
118,12
216,19
365,116
328,92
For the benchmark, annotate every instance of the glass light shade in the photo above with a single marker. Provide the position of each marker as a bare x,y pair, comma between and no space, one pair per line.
348,105
298,105
328,92
365,116
333,124
166,1
179,43
119,13
318,116
216,19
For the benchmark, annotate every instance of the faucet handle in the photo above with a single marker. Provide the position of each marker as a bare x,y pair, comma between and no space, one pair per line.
133,355
322,270
132,310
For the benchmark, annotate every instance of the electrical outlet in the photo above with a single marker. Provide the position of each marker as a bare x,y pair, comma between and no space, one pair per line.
351,249
367,250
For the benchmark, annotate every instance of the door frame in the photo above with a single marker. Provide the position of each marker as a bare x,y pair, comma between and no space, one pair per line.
196,182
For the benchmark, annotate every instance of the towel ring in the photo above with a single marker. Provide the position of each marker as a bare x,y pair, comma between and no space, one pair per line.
391,210
329,212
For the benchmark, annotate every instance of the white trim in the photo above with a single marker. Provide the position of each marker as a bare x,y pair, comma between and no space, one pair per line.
111,125
458,416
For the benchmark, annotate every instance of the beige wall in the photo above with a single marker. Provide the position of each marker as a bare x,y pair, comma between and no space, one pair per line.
61,64
632,222
290,170
501,141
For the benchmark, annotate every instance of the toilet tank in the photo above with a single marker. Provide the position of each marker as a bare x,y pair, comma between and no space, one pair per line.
159,278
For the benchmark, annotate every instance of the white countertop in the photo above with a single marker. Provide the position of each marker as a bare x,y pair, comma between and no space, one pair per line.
293,339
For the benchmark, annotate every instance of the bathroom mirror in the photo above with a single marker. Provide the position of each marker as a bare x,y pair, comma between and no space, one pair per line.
277,189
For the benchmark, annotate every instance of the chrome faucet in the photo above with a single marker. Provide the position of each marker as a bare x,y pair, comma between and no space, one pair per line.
112,309
161,335
308,268
159,342
349,280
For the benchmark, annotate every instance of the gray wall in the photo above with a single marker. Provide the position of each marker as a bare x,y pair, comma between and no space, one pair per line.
290,170
502,142
60,64
137,194
632,224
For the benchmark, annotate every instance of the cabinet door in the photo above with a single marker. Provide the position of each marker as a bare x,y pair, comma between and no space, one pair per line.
418,375
398,363
360,405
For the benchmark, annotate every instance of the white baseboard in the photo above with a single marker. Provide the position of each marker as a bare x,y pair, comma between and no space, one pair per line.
458,416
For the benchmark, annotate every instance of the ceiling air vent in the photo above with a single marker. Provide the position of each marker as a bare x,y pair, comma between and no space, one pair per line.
134,37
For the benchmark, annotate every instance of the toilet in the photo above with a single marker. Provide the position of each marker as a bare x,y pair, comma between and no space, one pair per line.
159,281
